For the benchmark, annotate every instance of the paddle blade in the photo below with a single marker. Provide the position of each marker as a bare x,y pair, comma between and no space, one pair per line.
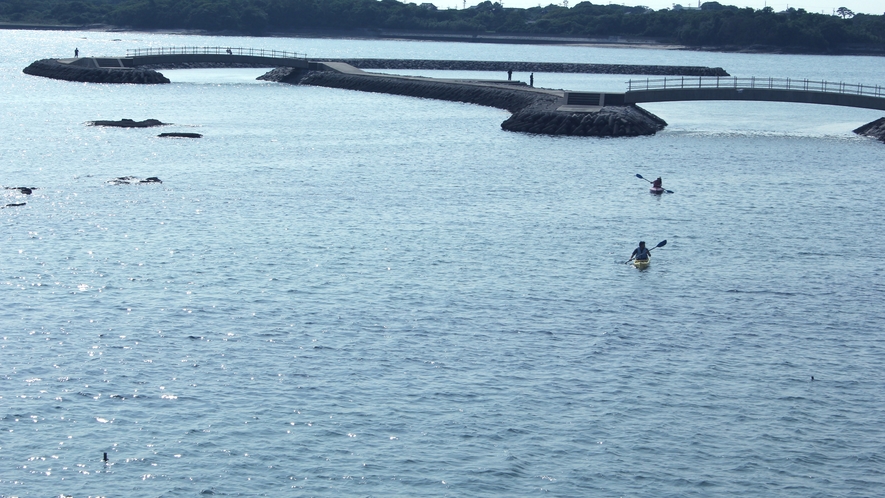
639,176
661,243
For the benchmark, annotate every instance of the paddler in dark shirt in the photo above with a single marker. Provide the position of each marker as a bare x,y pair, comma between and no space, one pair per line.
641,253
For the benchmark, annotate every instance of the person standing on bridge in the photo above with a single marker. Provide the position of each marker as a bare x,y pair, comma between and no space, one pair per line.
532,79
76,52
509,74
229,52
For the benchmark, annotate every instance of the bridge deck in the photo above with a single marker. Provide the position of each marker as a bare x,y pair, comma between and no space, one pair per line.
756,94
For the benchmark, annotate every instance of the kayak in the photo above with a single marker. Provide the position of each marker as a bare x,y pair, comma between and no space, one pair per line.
657,190
642,263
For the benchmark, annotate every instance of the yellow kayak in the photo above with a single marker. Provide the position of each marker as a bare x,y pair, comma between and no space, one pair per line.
642,263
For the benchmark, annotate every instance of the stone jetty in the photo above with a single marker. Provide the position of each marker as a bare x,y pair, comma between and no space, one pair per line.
89,72
530,67
535,110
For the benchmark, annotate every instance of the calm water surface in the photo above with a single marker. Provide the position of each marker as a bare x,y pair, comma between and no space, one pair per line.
338,293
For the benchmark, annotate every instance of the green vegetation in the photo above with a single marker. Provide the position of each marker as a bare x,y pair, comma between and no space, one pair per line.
713,25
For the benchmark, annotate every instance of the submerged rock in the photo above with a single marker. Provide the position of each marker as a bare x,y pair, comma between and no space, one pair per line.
129,180
180,135
128,123
24,190
876,129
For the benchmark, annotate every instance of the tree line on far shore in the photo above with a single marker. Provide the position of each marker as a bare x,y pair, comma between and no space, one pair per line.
712,26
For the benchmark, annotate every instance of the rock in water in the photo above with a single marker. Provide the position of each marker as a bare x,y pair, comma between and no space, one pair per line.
876,129
128,123
180,135
129,180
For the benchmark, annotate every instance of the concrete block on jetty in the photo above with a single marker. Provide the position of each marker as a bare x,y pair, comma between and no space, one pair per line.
87,70
535,110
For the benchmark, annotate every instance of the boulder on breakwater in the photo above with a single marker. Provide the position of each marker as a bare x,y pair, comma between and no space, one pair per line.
52,68
128,123
610,121
876,129
289,75
534,110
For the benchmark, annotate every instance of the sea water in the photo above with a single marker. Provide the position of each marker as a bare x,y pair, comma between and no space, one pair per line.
345,293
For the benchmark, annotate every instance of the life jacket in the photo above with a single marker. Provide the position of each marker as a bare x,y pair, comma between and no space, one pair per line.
642,253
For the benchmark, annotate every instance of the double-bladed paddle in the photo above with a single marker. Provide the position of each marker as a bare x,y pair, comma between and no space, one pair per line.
649,181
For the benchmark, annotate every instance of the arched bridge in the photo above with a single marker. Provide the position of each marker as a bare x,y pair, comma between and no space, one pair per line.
731,88
187,55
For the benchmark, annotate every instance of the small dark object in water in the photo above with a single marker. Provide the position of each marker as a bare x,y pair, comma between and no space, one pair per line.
15,204
180,135
24,190
128,180
105,458
128,123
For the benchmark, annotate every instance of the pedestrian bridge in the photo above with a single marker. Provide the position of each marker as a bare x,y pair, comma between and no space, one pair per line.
677,89
189,55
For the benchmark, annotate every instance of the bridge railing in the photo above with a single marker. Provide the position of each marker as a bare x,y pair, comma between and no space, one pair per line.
252,52
753,82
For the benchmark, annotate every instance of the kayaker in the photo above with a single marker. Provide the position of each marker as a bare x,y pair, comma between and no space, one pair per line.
657,183
641,253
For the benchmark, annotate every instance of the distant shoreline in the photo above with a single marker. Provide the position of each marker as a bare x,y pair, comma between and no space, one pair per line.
497,38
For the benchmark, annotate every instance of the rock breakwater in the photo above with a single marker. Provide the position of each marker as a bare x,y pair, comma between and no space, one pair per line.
52,68
530,67
493,96
534,110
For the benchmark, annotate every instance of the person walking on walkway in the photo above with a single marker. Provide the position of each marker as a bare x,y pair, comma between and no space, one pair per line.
509,74
76,52
532,79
